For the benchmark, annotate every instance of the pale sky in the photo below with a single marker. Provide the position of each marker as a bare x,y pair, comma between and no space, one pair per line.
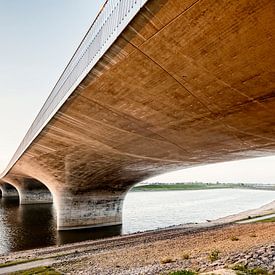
38,38
257,170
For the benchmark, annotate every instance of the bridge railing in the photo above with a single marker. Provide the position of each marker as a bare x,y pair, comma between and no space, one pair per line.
114,16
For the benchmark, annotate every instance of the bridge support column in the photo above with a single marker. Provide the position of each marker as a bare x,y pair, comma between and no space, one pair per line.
89,210
35,196
8,191
30,190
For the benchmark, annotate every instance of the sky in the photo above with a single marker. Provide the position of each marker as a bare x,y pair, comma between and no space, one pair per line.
38,38
256,170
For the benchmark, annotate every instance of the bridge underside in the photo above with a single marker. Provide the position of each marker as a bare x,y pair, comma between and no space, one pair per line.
187,83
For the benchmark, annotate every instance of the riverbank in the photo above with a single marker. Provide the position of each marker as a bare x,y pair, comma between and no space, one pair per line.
200,250
187,246
200,186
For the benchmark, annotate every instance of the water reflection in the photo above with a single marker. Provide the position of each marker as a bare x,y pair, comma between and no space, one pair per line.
25,226
37,226
32,226
7,205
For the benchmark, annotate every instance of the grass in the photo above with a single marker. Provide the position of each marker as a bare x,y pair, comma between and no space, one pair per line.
197,186
214,255
243,270
18,262
267,220
11,263
45,270
259,216
179,186
182,272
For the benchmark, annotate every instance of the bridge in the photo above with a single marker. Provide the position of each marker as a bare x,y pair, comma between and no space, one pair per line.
154,86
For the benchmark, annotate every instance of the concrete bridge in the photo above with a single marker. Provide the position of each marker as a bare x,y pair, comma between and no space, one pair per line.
155,86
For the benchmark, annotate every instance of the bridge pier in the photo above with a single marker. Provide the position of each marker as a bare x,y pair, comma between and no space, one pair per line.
34,196
31,191
94,209
8,191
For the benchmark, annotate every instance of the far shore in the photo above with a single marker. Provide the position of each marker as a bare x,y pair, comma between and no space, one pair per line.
199,186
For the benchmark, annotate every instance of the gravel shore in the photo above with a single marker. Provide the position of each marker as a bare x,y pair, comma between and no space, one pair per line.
165,250
149,255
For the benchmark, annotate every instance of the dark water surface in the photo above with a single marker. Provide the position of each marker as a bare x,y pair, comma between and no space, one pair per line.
32,226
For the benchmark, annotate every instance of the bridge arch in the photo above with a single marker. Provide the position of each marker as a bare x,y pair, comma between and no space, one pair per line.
8,190
30,190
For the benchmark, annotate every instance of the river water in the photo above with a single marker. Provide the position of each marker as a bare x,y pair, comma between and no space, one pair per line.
31,226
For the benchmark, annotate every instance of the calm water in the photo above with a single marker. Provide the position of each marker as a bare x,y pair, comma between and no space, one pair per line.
31,226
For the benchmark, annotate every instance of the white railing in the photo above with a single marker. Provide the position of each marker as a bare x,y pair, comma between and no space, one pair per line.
114,16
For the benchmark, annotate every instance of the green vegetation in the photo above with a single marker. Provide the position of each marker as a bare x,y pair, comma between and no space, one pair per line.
263,218
197,186
18,262
214,255
179,186
182,272
11,263
45,270
267,220
243,270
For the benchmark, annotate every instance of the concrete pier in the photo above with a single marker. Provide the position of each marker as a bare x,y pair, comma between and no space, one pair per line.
8,191
30,191
89,210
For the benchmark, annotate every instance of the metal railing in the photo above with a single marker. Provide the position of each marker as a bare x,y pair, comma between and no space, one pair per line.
114,16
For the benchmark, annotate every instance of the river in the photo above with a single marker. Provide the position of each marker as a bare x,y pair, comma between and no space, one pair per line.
32,226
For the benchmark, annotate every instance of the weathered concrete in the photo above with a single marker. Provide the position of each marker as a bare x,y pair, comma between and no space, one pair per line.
187,83
8,191
89,210
30,191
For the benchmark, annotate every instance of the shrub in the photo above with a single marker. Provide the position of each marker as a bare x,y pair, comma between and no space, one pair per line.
244,270
185,256
214,255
